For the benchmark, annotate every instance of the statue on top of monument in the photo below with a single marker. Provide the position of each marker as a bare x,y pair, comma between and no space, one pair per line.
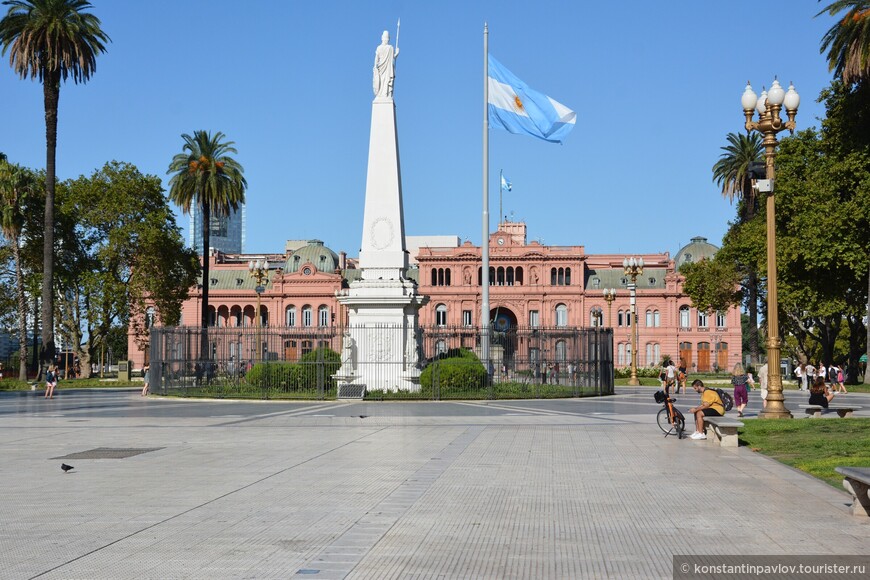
385,67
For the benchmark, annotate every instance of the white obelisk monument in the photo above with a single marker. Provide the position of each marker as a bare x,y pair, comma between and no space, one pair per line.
381,347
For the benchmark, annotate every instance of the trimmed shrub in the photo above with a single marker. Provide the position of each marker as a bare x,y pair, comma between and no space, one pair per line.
456,369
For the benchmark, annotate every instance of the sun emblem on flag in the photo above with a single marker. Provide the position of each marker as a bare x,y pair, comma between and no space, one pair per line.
518,103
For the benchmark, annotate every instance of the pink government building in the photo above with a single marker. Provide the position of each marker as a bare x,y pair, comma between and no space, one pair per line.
531,285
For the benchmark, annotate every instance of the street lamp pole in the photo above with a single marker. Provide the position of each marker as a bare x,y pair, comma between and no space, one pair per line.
633,268
260,273
769,124
610,296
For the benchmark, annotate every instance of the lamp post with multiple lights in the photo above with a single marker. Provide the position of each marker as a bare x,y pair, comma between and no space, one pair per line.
609,297
769,124
633,268
260,273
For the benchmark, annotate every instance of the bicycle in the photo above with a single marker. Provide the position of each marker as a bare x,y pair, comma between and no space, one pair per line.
669,419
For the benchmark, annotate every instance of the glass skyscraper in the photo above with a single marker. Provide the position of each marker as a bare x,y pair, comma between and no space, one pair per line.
227,233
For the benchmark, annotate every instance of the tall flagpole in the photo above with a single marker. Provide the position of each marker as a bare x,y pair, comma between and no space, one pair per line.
484,303
500,193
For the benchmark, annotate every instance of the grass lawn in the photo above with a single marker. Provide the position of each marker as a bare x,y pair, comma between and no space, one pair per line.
94,383
815,446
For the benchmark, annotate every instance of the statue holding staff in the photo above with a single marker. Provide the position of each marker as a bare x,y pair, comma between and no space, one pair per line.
384,71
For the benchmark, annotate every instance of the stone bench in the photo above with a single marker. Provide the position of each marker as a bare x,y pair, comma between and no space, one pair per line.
842,410
856,480
722,430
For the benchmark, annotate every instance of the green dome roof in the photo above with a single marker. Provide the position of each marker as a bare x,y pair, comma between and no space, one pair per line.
324,259
698,249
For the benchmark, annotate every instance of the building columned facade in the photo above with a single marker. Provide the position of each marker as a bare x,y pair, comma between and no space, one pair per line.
531,285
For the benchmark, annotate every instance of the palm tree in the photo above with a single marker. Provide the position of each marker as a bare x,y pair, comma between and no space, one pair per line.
16,185
731,173
848,41
848,46
51,40
205,176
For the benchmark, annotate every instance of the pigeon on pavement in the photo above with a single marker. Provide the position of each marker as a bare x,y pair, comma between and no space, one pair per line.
66,467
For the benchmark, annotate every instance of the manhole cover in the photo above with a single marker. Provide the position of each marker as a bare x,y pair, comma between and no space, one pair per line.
109,453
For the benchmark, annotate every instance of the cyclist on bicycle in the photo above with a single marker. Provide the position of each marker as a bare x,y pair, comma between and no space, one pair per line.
711,405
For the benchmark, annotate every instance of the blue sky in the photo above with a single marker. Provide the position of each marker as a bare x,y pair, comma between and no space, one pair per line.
656,87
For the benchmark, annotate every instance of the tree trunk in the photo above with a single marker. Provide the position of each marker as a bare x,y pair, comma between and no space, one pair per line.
752,289
867,345
206,240
35,362
51,93
22,311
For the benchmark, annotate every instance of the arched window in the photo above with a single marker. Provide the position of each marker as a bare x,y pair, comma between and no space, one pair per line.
447,276
657,354
567,276
222,314
149,317
620,358
306,315
560,277
441,315
561,315
519,276
649,354
720,320
264,316
323,316
510,276
620,321
656,319
434,276
212,316
440,347
552,276
500,276
649,318
684,317
702,319
290,316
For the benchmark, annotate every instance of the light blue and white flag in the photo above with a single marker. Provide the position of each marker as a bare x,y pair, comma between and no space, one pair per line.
505,184
516,108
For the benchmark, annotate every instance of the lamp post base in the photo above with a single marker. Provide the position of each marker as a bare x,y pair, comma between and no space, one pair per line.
772,414
633,382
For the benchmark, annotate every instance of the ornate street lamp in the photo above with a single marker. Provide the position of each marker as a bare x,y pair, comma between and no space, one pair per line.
260,273
633,268
610,296
769,124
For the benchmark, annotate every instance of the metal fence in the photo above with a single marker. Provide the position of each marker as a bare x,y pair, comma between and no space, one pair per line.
309,363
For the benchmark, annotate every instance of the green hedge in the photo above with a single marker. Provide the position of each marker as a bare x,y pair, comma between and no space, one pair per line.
287,376
456,369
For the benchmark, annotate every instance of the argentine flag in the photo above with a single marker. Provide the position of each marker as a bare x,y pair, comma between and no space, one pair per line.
505,184
516,108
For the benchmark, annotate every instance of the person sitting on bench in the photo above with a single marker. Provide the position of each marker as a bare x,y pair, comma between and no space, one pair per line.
711,406
820,394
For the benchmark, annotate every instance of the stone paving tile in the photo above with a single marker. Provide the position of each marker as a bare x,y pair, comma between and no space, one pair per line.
551,492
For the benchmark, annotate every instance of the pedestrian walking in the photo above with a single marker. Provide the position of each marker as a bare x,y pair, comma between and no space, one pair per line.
145,376
809,376
762,384
739,381
841,379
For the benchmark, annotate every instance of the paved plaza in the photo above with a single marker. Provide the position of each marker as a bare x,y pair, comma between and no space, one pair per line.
583,488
